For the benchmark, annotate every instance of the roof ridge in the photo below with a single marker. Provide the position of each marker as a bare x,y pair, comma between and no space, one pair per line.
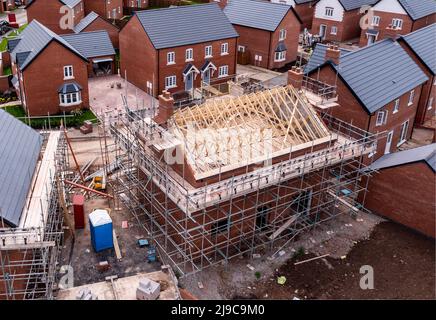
175,8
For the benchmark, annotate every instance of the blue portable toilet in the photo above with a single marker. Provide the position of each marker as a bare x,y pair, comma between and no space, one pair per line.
100,224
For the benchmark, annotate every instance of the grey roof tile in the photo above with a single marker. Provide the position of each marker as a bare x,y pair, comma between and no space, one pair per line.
417,9
178,26
426,153
356,4
85,22
257,14
423,43
20,147
35,39
379,73
318,57
91,44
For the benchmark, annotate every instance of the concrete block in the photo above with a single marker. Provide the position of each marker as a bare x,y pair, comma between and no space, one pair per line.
147,290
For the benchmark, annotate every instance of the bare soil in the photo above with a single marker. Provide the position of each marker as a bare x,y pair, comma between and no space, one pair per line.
403,264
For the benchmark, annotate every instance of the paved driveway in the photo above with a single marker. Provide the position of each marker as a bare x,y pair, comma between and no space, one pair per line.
105,98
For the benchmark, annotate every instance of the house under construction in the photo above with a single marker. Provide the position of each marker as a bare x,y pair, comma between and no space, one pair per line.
236,175
31,222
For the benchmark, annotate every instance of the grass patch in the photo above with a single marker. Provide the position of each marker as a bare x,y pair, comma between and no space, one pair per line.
12,35
76,120
7,71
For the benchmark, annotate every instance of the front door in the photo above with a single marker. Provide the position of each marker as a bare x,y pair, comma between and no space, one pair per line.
206,76
371,39
322,31
389,142
189,82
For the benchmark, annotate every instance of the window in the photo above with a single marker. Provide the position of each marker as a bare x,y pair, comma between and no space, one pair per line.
241,48
333,30
170,82
224,48
223,71
396,105
329,11
411,97
282,35
375,20
397,23
430,103
68,72
189,54
382,117
171,58
403,135
280,56
208,51
68,99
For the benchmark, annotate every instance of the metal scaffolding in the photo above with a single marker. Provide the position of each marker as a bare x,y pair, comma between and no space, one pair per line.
29,254
252,210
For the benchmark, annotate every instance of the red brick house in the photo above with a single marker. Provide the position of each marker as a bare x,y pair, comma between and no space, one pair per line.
95,22
403,189
199,46
304,8
38,55
397,17
339,20
268,32
422,50
48,12
110,9
378,89
97,47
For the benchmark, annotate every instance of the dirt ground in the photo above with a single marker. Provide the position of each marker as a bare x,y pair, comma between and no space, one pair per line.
79,253
403,264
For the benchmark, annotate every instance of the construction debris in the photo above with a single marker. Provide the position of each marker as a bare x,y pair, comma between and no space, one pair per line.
281,280
311,259
147,290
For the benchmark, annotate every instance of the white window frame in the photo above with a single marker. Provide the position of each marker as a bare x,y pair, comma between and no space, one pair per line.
208,53
241,48
382,117
282,34
403,132
74,97
68,72
411,98
171,58
223,71
397,23
329,11
224,48
189,54
375,21
280,56
396,106
170,82
430,103
335,30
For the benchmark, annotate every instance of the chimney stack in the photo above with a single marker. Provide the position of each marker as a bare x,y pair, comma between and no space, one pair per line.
391,32
295,77
222,3
333,54
166,108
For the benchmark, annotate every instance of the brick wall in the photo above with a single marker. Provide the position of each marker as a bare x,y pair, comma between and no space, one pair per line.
42,96
347,29
306,11
405,194
47,13
105,8
139,58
